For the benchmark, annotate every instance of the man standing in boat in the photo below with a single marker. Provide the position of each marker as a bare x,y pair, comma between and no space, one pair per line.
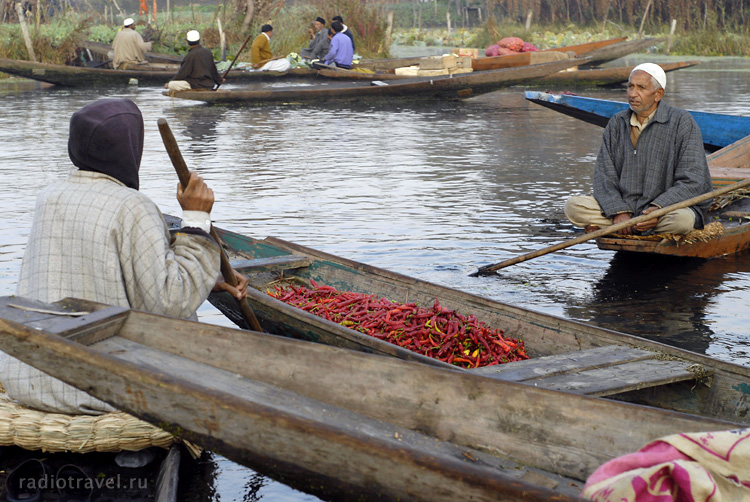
651,157
197,70
129,47
261,56
96,237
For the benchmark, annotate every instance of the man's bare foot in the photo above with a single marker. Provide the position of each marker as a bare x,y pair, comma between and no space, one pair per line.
590,228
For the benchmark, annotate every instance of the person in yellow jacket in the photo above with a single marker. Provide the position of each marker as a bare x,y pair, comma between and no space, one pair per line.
261,56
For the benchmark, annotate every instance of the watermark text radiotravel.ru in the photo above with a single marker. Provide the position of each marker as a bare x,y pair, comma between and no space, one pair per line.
52,482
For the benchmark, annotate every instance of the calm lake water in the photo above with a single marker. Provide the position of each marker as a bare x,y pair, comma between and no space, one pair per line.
432,190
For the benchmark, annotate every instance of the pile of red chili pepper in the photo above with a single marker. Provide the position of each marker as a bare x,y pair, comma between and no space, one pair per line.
435,332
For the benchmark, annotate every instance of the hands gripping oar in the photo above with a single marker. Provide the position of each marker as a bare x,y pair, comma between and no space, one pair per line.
184,174
489,269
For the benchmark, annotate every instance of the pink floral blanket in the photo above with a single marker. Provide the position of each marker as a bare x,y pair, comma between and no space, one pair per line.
697,467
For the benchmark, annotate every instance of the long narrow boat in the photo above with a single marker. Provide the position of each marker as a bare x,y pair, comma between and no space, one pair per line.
728,231
718,129
621,49
568,78
590,77
337,423
441,87
525,58
488,63
565,355
82,76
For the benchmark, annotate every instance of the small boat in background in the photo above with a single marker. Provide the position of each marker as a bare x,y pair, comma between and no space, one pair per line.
718,129
148,74
458,86
592,77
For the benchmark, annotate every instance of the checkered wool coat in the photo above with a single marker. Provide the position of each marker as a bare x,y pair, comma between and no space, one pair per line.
96,239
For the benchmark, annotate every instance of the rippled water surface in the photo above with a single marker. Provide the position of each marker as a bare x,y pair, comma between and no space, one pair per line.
430,190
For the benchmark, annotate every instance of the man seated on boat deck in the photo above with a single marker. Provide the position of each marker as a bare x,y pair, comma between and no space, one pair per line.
129,47
96,237
651,157
320,43
261,56
341,52
345,30
197,70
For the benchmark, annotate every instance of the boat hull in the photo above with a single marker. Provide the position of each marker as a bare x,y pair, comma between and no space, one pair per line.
442,87
718,130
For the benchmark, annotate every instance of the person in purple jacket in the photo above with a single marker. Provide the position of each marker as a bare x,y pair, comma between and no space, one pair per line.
341,51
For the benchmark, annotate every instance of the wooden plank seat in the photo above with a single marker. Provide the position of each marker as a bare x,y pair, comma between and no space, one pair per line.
602,371
282,262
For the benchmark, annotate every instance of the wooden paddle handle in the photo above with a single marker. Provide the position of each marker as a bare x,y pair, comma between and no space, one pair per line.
170,143
489,269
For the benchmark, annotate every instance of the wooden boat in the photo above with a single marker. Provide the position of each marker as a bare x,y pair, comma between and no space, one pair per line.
718,129
82,76
488,63
566,355
441,87
572,77
618,50
338,423
599,76
526,58
728,165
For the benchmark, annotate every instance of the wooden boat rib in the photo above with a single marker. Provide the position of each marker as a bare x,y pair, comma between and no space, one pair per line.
600,76
445,87
525,58
333,422
728,165
718,129
81,76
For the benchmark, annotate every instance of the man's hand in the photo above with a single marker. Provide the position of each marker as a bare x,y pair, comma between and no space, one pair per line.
240,292
620,218
196,196
647,225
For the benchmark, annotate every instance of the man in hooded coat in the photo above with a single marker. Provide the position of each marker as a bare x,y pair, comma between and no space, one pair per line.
96,237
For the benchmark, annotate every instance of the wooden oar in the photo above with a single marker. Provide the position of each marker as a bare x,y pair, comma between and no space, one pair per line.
184,174
235,59
489,269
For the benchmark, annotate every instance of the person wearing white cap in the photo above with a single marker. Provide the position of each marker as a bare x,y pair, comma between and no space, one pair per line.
197,70
651,157
129,47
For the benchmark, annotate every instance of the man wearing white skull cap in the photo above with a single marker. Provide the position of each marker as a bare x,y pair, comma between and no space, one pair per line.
129,47
197,70
651,157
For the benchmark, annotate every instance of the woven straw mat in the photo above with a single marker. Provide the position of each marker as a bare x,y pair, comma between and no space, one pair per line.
56,432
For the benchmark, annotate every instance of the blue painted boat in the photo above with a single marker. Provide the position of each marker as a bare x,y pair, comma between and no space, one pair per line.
718,130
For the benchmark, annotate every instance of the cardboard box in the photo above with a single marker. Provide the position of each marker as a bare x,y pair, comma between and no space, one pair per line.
463,62
464,51
438,63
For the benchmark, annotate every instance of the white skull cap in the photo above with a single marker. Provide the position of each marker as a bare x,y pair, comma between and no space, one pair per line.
128,21
655,71
193,36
